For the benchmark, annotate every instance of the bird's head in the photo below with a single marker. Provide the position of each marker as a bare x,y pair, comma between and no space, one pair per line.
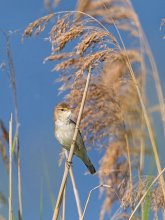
62,112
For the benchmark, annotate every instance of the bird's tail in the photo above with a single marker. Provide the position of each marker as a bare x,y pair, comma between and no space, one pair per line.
90,167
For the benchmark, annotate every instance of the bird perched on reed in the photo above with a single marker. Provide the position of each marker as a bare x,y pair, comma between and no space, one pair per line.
64,131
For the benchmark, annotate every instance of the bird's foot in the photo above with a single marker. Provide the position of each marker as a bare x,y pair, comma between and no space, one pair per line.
68,164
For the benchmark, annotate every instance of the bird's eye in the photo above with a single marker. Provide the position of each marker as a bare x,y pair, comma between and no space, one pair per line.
62,109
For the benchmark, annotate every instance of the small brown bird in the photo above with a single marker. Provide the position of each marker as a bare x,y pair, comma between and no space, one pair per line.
64,131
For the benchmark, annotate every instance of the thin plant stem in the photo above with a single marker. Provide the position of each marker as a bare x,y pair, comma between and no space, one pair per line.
10,168
19,183
69,160
41,201
129,161
16,137
76,194
141,162
64,204
89,195
143,92
142,148
47,179
142,198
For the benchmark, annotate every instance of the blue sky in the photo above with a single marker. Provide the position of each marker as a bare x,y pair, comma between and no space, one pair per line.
38,93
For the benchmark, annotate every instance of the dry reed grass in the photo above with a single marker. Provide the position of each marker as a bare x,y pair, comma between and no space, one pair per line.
16,143
113,117
4,139
130,198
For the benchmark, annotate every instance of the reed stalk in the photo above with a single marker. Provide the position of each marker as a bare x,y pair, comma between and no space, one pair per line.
64,205
69,160
76,194
10,168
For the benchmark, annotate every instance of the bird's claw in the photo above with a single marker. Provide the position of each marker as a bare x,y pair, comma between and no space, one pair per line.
68,164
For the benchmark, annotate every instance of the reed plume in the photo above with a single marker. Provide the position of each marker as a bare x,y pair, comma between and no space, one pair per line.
113,118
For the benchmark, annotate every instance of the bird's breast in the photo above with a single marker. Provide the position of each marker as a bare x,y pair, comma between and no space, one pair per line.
64,133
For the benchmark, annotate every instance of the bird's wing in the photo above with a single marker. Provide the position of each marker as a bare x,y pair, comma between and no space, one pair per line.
79,140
